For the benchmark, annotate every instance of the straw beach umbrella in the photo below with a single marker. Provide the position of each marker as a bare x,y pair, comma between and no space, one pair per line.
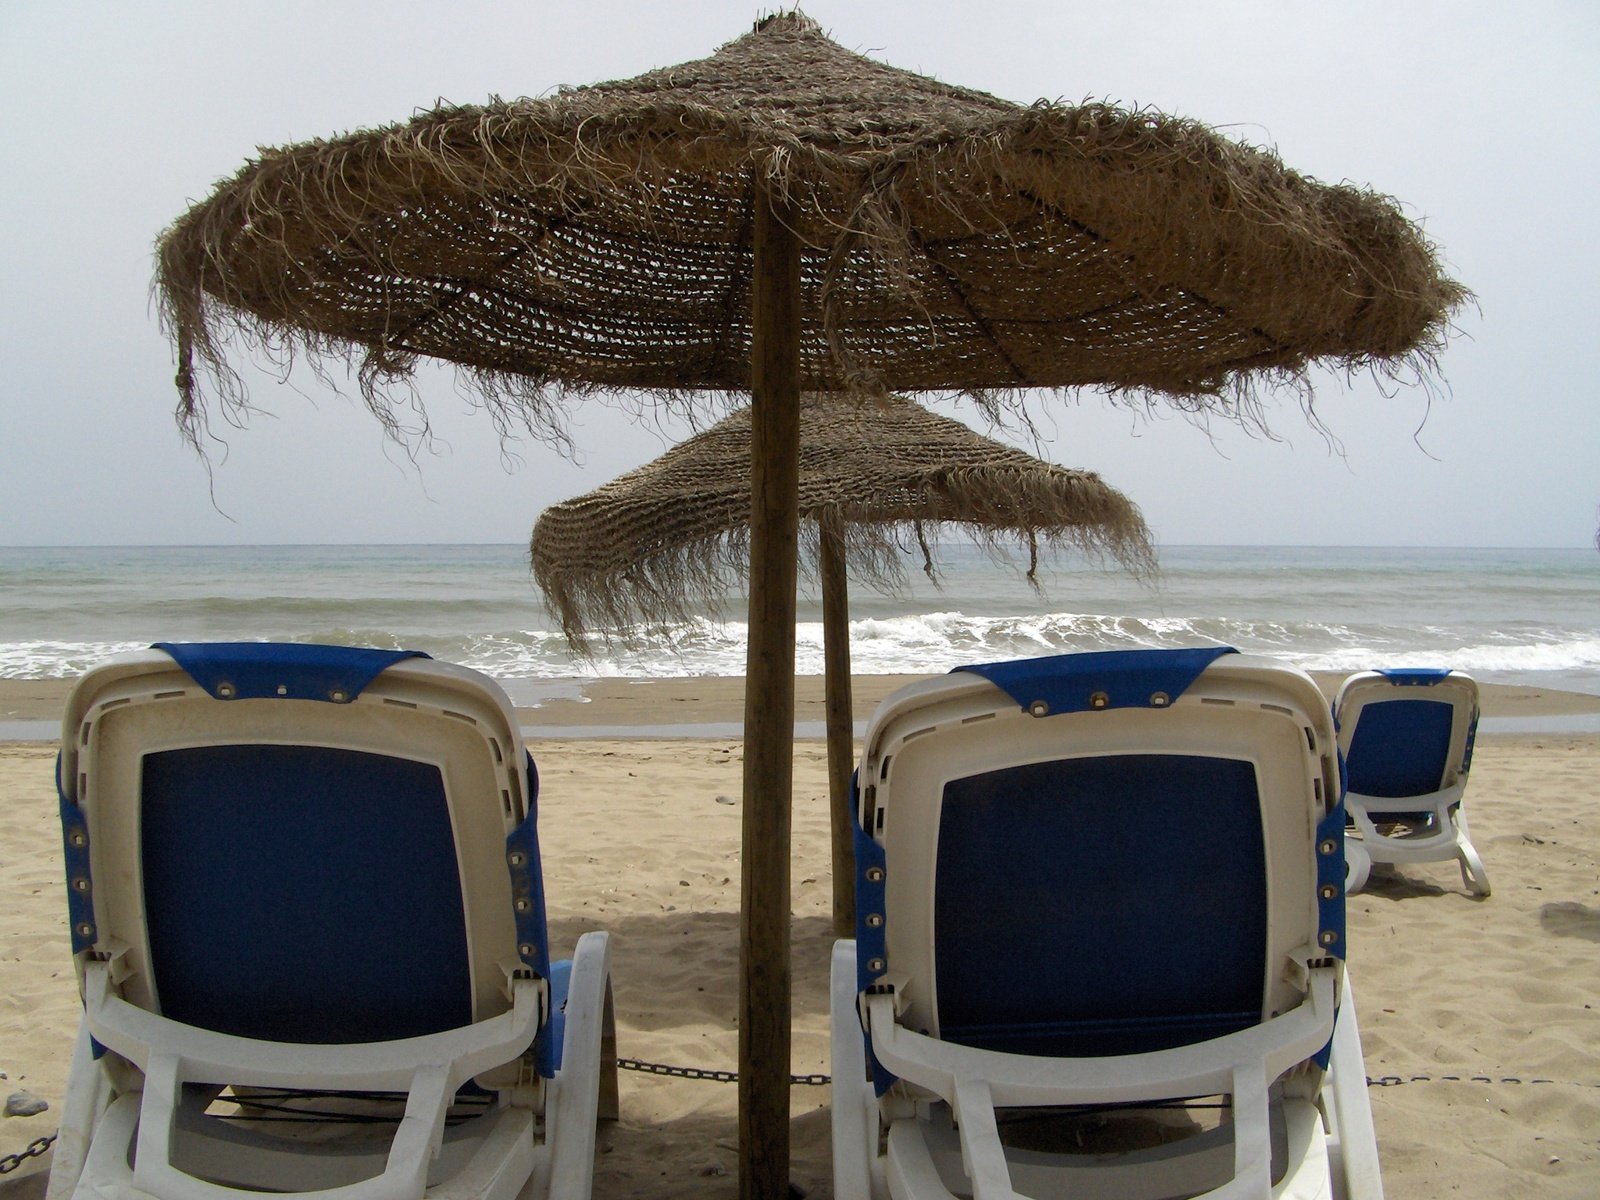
788,215
656,544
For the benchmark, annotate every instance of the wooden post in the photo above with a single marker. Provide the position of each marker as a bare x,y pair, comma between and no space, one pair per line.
840,721
764,972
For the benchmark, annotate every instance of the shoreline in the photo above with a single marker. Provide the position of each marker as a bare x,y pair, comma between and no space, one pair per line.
713,706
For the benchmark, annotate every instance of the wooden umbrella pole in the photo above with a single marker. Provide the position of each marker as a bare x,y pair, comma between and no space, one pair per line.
840,721
764,975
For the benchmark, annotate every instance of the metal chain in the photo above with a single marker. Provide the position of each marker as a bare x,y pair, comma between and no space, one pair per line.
10,1162
820,1080
37,1147
1399,1080
650,1068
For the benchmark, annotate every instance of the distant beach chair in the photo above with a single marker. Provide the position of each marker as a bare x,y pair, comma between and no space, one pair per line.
1100,939
308,921
1407,741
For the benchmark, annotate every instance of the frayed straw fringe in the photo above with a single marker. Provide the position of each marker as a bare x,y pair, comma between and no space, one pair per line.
669,540
600,239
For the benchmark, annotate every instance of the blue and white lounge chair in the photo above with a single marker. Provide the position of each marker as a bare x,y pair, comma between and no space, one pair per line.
1407,741
1092,890
305,896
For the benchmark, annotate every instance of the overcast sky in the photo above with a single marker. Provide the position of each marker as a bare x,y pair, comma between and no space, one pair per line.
1480,118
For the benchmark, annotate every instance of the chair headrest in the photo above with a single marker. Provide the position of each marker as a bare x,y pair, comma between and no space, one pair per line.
1105,679
282,670
1415,676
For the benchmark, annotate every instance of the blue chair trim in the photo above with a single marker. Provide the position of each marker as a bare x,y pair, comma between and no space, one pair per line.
75,854
1105,679
872,961
282,670
80,901
1330,881
1325,1056
1330,892
522,862
527,900
1415,676
871,939
547,1048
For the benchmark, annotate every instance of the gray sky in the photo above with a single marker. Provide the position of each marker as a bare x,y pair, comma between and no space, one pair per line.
1480,117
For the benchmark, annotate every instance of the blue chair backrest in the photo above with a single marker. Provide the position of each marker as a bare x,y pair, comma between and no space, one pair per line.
303,894
1100,905
1400,748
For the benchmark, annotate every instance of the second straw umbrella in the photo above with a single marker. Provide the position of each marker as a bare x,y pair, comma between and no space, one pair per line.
670,540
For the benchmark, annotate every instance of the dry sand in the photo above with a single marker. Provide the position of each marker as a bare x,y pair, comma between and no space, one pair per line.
636,841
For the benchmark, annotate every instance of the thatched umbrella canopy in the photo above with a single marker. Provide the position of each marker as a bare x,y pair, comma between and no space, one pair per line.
658,543
603,238
784,215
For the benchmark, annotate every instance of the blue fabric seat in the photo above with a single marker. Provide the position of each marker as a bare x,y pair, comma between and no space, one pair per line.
235,853
1062,962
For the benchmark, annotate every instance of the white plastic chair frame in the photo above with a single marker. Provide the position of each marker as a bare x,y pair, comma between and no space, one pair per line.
1448,837
124,1116
979,728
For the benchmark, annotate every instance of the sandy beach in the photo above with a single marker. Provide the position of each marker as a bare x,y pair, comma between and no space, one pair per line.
1488,1011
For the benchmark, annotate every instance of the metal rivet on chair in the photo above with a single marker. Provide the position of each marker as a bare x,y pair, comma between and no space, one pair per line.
523,905
1329,891
518,858
78,839
86,930
1327,846
875,965
874,920
525,950
1099,700
227,691
1038,709
80,884
338,695
1327,937
283,689
1159,700
874,874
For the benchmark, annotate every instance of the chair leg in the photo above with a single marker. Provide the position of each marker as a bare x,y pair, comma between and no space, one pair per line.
854,1119
1354,1159
88,1094
1472,873
580,1095
982,1155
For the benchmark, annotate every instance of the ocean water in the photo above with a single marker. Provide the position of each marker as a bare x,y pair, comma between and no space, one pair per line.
1510,616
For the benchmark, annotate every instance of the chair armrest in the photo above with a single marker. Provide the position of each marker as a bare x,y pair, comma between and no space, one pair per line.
1028,1080
211,1057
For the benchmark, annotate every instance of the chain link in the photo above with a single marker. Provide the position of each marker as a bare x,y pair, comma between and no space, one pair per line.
10,1162
715,1076
37,1147
820,1080
1400,1080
